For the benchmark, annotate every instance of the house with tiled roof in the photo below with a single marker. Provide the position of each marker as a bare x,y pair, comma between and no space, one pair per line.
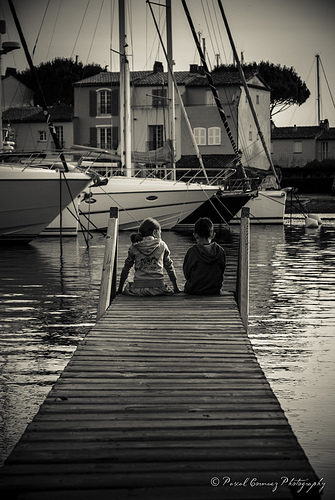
97,124
296,146
28,128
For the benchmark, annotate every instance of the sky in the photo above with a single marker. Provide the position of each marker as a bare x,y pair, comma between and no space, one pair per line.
285,32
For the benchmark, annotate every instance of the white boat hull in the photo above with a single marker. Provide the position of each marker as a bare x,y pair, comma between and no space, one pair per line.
266,208
136,198
31,198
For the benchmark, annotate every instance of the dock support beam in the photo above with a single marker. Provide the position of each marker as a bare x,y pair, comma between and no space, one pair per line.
108,278
242,285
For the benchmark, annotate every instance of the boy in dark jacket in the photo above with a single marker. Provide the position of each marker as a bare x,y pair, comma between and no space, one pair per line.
205,262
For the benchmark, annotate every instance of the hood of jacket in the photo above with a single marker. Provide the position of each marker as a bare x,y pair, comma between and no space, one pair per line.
148,245
208,254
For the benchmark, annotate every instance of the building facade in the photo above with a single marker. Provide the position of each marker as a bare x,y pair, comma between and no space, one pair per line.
97,122
296,146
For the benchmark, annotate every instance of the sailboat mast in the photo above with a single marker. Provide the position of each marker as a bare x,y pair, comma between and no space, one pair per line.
125,139
171,96
318,86
241,73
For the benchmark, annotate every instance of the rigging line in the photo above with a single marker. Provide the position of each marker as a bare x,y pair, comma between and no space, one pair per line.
54,27
81,24
39,88
95,30
247,90
222,45
324,73
72,200
118,204
213,89
207,24
39,32
187,121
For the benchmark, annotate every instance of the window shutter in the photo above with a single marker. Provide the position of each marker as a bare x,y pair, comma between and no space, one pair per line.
93,103
115,102
115,137
93,137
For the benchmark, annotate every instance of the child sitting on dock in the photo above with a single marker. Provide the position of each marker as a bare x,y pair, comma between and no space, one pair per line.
205,262
150,254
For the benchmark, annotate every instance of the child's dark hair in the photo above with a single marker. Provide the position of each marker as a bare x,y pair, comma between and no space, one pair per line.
146,228
204,227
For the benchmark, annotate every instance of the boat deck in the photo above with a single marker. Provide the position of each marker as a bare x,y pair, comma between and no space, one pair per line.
163,399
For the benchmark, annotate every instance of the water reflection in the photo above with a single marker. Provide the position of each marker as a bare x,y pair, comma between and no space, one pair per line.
293,332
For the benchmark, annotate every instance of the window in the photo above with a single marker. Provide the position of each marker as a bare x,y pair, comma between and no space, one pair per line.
104,102
155,137
297,147
200,136
159,98
214,136
210,101
324,150
43,135
105,138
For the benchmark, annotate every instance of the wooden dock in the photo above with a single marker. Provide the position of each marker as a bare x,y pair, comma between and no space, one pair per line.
163,399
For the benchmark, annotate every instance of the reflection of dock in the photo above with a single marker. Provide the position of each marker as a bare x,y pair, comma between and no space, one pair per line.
163,399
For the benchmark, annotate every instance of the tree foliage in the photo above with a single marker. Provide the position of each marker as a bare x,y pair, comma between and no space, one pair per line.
56,79
287,88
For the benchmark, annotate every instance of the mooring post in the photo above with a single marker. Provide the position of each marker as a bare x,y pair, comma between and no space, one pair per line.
109,268
243,267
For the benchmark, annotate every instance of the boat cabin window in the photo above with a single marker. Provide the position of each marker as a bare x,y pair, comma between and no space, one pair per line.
214,136
200,136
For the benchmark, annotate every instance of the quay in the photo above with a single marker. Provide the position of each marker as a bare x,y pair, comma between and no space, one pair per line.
163,399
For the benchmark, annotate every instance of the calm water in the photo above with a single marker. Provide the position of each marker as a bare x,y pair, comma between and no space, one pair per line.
49,298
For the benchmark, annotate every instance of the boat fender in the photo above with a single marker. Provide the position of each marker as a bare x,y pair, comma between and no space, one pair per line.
309,222
316,217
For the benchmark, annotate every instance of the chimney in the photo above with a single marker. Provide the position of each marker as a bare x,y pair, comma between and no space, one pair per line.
295,129
158,67
325,125
194,68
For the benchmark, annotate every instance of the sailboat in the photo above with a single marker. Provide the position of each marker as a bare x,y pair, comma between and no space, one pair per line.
30,198
269,206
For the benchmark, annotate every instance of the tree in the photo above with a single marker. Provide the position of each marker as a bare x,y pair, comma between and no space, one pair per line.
287,88
57,77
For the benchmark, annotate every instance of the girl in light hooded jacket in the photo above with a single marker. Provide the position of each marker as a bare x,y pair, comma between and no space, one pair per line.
150,255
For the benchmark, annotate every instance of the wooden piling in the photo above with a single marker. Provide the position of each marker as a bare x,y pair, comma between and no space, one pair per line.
108,277
242,284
